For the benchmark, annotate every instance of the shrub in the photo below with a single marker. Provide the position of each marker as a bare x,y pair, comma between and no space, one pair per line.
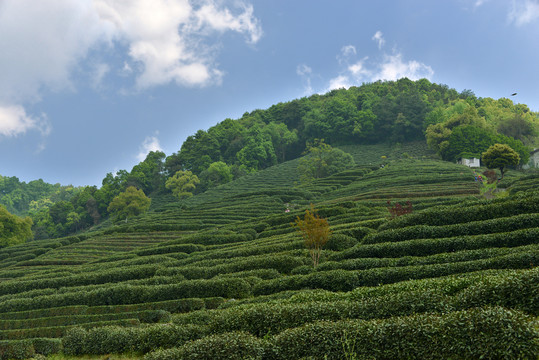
228,346
339,242
45,346
494,333
20,349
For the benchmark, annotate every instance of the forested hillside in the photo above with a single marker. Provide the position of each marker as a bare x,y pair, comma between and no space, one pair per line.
452,124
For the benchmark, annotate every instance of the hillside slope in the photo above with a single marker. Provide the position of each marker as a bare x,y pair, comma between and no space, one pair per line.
224,274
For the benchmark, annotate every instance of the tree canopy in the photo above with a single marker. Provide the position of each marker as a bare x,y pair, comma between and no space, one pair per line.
182,184
499,156
129,203
13,229
323,160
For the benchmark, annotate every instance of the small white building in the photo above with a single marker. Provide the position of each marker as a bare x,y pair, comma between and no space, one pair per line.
534,158
472,162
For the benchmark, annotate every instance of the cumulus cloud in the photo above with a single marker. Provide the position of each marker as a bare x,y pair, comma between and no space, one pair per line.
394,68
44,42
524,11
389,67
164,37
15,121
151,143
379,38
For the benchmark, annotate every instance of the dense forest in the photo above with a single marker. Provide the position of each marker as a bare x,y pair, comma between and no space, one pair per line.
453,124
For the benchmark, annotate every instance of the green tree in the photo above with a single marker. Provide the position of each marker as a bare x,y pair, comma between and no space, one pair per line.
519,128
13,229
148,174
323,160
216,174
182,184
131,202
499,156
315,232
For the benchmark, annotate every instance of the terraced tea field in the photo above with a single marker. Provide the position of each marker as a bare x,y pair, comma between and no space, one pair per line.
224,275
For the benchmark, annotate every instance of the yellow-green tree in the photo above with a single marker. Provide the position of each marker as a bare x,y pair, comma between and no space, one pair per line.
13,229
315,232
131,202
182,184
498,156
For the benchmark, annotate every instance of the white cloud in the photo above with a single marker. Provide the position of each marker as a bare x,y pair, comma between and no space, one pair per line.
379,38
391,67
359,69
478,3
164,36
223,20
524,12
151,143
14,121
394,68
44,42
340,82
348,50
303,69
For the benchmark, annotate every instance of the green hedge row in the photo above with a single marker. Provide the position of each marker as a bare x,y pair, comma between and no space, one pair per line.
272,318
115,339
119,294
459,256
228,346
59,331
145,316
25,349
342,280
165,249
497,225
490,333
448,215
100,277
282,263
425,247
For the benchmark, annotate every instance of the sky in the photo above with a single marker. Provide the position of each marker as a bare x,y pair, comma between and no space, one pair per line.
89,87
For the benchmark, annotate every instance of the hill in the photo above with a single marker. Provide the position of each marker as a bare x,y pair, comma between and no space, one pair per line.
223,274
394,119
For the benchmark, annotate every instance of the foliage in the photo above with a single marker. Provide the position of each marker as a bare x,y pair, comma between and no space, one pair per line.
129,203
216,174
14,230
398,209
323,160
182,184
315,232
500,156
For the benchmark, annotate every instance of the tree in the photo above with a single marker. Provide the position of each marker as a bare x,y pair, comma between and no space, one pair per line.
129,203
498,156
315,232
216,174
148,174
182,184
13,229
322,160
518,128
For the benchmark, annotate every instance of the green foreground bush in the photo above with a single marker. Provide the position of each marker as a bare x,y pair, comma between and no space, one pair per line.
490,333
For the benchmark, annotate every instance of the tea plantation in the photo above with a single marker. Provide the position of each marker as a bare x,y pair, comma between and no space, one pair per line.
224,275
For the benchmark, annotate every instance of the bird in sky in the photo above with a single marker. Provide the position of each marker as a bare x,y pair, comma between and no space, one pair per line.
513,94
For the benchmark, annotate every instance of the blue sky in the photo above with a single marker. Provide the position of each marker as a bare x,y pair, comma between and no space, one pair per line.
90,86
